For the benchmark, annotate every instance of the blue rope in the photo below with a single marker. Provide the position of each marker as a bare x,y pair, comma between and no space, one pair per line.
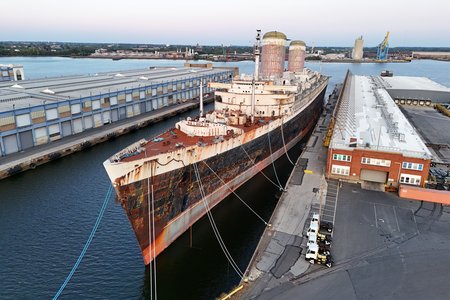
88,243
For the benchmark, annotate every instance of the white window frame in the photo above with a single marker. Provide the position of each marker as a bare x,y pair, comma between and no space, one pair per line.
410,179
342,157
340,170
376,162
412,166
75,108
23,120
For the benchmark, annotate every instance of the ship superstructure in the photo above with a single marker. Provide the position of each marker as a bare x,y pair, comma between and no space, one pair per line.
255,121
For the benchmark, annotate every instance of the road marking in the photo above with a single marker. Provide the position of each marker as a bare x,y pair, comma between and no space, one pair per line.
327,215
414,218
396,219
375,211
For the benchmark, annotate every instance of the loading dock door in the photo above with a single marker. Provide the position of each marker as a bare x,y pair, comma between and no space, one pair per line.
66,128
77,125
122,113
115,115
374,176
26,139
10,143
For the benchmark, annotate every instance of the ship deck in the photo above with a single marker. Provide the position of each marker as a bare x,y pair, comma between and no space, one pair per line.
174,139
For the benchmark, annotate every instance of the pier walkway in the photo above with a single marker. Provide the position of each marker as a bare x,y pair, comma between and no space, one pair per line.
33,157
279,256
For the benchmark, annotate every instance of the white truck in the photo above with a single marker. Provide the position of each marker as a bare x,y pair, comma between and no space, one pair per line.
314,256
313,243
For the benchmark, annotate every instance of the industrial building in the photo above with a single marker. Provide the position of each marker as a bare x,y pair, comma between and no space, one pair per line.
372,141
35,112
431,55
11,73
358,49
415,90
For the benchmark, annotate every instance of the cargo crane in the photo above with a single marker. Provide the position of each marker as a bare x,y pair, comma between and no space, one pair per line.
383,48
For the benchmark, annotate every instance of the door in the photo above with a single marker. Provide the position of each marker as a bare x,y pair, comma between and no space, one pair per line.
374,176
98,120
122,113
88,122
106,117
26,139
77,126
10,143
40,135
115,115
66,128
53,131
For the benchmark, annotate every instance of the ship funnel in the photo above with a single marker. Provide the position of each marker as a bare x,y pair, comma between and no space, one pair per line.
297,53
273,54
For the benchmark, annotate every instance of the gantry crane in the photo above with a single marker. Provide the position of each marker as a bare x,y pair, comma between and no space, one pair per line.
383,48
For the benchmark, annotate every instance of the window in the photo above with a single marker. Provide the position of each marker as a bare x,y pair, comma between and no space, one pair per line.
410,179
340,170
376,162
412,166
342,157
87,104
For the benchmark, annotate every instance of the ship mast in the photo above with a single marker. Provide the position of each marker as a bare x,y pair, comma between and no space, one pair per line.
256,52
255,75
201,98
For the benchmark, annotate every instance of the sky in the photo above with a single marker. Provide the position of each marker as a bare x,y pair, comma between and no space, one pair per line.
230,22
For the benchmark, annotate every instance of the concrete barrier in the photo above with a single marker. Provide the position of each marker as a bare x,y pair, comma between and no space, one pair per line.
429,195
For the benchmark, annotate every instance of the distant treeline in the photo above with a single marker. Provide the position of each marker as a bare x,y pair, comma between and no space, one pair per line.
85,49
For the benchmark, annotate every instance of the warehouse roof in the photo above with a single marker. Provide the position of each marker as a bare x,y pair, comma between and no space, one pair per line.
34,92
368,118
413,83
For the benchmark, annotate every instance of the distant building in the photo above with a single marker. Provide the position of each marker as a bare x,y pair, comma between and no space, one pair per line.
373,142
333,56
432,55
101,51
11,73
358,52
198,48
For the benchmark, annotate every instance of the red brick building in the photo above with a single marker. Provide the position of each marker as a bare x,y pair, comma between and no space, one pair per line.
372,140
377,166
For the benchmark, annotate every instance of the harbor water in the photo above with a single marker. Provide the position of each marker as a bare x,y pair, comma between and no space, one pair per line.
47,214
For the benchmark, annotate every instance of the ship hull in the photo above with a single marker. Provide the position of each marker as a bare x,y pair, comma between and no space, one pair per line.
172,202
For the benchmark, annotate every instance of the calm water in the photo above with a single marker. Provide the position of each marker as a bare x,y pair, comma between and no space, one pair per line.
47,214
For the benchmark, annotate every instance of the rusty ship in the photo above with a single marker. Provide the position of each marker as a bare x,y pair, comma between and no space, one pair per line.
256,119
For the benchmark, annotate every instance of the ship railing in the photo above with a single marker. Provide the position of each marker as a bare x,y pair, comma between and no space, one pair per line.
132,150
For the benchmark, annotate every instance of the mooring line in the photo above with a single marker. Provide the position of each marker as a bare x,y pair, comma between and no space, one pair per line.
88,243
214,226
234,192
271,157
259,170
284,144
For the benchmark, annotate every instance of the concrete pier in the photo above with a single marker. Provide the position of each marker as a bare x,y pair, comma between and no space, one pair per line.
33,157
278,256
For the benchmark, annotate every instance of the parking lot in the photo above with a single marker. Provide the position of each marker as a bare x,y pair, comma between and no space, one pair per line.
384,247
433,127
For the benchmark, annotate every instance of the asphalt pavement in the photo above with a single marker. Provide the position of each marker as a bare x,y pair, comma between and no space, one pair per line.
384,247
